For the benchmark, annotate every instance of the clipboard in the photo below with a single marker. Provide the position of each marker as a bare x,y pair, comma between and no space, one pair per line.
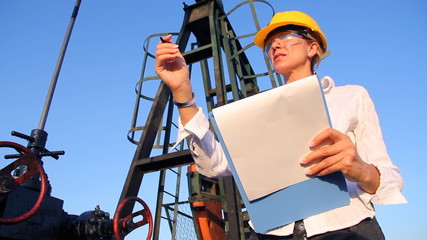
264,137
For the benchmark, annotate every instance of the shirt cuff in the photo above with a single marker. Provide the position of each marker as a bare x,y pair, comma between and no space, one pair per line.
389,190
198,126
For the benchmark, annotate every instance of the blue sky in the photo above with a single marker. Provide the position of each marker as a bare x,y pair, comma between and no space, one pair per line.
377,44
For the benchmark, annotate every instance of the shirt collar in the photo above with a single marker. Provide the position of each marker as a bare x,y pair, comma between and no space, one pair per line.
327,84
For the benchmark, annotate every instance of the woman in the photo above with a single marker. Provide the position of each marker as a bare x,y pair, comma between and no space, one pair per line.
295,45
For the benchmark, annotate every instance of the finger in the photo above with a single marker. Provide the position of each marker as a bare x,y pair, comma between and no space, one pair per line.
168,38
165,45
163,40
166,55
322,152
170,61
162,54
328,135
167,49
326,166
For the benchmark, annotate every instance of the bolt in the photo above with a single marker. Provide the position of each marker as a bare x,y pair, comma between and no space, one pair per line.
6,184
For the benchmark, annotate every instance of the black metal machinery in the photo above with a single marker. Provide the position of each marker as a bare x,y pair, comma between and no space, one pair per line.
28,209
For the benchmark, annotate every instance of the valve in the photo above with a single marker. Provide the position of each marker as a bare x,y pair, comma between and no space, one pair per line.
8,183
123,226
91,225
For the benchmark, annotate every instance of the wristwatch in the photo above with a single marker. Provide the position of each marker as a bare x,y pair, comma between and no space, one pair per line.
185,104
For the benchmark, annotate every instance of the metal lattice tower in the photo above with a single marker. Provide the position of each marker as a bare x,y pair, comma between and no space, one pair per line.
227,76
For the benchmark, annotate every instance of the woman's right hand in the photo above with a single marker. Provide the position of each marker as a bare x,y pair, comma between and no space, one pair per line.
172,69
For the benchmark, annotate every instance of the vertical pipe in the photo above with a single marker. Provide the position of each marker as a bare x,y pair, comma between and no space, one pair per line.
58,66
159,204
162,176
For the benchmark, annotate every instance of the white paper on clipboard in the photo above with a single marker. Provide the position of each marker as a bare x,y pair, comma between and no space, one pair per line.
267,135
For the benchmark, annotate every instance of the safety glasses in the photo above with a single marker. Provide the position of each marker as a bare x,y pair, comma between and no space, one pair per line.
286,40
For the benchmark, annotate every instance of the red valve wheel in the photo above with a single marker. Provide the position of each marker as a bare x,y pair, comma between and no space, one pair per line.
8,183
123,226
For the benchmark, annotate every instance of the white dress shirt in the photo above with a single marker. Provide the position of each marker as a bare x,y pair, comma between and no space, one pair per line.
352,112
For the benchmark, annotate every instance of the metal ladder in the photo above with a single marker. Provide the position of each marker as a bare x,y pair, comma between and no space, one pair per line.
215,39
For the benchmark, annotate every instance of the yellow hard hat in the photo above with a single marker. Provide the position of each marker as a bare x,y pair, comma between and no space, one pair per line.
291,18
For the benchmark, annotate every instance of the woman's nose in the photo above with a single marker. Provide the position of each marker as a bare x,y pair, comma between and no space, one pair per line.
276,44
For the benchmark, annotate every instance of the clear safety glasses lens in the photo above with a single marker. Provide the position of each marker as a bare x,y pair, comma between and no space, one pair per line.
286,40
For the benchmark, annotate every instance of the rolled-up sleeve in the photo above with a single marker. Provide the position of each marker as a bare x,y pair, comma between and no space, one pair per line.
205,149
371,147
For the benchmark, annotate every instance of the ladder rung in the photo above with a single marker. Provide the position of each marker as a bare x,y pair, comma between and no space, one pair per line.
173,171
170,194
165,161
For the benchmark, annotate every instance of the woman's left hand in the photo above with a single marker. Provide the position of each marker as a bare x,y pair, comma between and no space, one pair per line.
340,154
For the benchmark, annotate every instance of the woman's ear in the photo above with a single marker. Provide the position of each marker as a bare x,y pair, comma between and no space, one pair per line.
312,49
